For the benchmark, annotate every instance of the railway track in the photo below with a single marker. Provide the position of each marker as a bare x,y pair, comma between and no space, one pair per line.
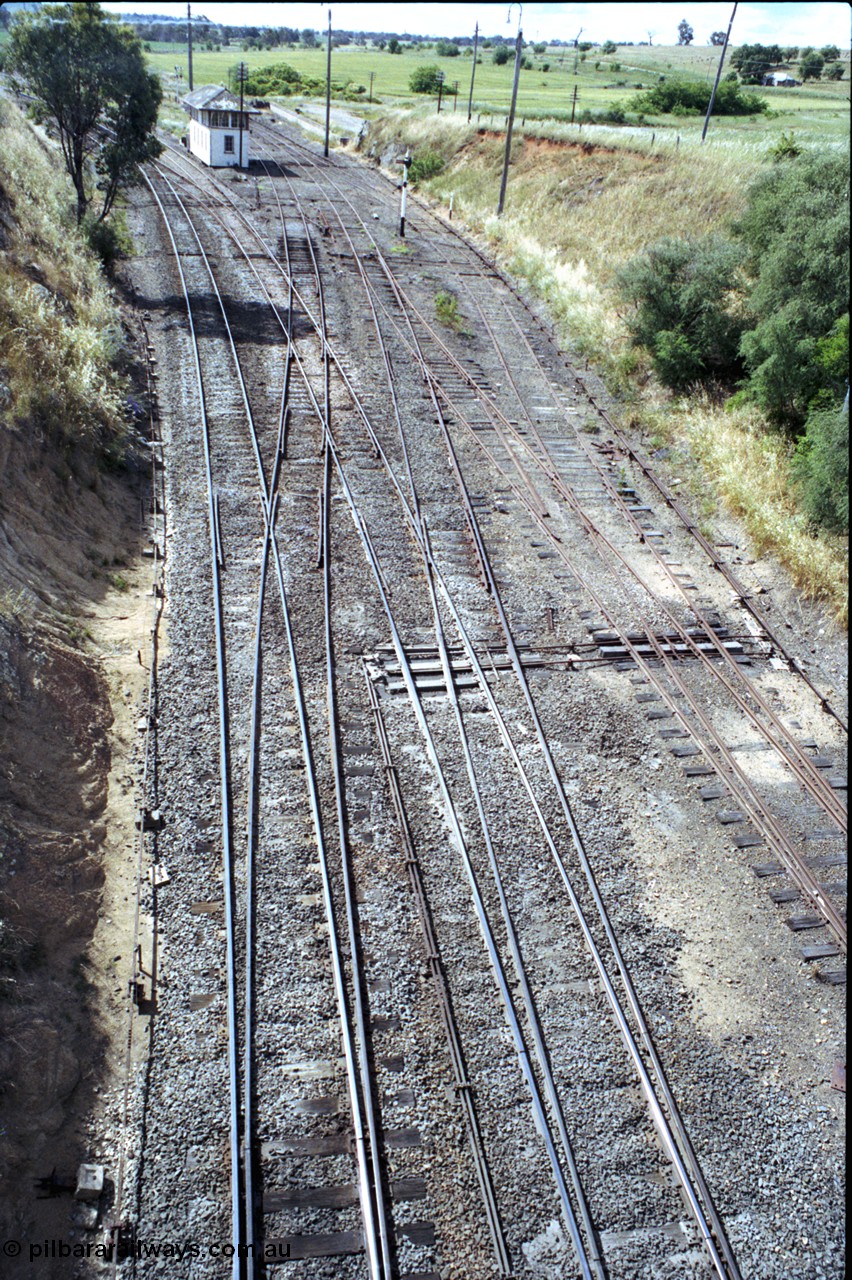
345,477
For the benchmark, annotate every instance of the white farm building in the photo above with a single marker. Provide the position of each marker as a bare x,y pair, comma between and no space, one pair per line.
218,130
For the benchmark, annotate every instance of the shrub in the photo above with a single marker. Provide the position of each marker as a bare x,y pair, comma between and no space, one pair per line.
796,232
424,165
501,55
681,294
109,239
821,468
692,96
446,49
834,72
447,311
425,79
277,78
609,47
786,148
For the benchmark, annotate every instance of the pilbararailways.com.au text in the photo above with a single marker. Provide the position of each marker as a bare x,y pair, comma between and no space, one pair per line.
173,1250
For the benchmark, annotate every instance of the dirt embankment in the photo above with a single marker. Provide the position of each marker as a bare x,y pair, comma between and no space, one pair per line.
74,609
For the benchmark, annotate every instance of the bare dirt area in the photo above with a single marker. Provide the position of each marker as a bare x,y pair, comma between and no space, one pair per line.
74,647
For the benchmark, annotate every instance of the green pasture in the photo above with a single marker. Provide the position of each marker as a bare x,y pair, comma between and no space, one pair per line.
815,108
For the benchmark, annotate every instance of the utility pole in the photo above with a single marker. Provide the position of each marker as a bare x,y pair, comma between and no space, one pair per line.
440,88
406,165
573,104
242,86
718,76
189,44
328,87
455,94
519,44
372,74
473,73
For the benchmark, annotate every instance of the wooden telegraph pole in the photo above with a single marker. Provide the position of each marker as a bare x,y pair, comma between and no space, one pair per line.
328,87
472,73
718,76
189,44
519,43
440,88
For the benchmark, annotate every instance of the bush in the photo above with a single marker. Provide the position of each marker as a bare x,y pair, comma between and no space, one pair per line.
109,239
681,293
278,78
609,47
610,115
693,97
446,49
425,165
796,233
501,55
821,468
834,72
425,79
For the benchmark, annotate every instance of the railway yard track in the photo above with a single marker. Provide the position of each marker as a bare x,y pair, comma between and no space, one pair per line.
461,716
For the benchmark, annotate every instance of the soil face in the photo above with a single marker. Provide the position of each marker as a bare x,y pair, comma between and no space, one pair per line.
77,605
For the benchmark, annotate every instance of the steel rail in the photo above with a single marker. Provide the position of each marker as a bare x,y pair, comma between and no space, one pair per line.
591,1251
756,809
741,592
237,1222
795,865
796,759
788,749
656,1111
665,1132
491,947
462,1086
371,1249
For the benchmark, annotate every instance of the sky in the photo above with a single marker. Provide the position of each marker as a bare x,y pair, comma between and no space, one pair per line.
770,23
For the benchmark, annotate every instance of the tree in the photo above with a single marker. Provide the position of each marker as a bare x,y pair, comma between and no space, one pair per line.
811,65
685,34
501,55
87,73
830,53
425,79
309,38
717,38
834,72
753,61
446,49
791,53
394,46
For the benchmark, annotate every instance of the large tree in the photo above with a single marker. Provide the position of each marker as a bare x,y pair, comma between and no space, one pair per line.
87,73
685,34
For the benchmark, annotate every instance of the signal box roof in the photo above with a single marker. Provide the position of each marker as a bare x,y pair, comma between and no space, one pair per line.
215,97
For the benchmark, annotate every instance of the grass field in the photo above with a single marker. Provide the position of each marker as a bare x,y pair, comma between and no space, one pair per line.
815,108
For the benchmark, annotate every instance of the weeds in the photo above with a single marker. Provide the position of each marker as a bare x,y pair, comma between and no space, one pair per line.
447,311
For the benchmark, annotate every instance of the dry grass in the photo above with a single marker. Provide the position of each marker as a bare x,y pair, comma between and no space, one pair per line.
60,330
751,471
